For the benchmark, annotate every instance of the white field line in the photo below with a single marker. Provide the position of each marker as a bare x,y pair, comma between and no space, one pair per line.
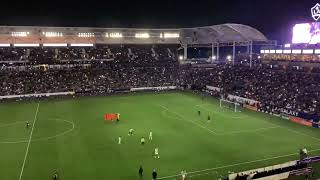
205,171
10,124
274,125
297,132
294,131
215,132
221,114
201,174
241,131
199,125
249,131
233,132
44,138
25,156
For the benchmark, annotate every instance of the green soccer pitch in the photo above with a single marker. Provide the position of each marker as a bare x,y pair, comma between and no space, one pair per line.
71,136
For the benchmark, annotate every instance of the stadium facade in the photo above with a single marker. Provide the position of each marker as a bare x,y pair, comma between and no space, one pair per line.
199,35
214,37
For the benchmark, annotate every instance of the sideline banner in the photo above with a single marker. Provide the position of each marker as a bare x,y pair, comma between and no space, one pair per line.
300,121
307,116
242,100
154,88
289,112
37,95
253,108
214,88
306,119
316,124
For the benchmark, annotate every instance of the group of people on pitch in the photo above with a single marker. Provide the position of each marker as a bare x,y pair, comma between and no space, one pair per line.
209,117
142,141
155,174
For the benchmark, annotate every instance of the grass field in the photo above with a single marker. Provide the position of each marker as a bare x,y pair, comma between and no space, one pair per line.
72,137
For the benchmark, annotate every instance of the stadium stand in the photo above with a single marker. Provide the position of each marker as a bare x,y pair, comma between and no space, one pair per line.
105,67
275,87
293,89
137,53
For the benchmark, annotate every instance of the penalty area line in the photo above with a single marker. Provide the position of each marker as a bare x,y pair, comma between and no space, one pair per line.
10,124
167,109
205,171
249,131
274,125
239,131
30,137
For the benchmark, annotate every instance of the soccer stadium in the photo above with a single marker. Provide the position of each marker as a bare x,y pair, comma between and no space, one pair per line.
198,103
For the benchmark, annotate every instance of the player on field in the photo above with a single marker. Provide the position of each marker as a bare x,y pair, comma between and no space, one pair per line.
118,117
209,118
150,136
183,174
55,175
142,141
130,132
140,172
27,124
303,153
119,140
154,174
156,153
199,113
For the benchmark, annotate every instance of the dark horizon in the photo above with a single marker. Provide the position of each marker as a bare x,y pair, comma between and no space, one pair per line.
273,18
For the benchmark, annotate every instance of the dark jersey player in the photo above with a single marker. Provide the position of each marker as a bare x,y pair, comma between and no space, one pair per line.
27,124
140,172
209,118
154,175
118,117
199,113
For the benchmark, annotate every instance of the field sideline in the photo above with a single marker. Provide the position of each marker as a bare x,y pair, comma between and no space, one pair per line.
71,136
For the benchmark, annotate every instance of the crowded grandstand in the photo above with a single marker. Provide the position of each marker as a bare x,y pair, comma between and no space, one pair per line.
227,81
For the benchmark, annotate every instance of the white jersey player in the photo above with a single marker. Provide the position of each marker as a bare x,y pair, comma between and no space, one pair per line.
183,175
130,132
119,140
156,153
142,140
150,136
305,151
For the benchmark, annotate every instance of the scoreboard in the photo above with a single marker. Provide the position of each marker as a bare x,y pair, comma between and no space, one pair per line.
306,33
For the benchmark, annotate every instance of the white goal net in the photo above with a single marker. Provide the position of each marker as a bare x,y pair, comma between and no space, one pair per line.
224,103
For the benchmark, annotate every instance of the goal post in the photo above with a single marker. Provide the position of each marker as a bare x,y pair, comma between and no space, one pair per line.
229,104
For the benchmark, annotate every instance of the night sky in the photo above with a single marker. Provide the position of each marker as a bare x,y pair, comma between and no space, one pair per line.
274,18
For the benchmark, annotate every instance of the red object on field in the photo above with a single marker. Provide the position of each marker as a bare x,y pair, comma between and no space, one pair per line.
110,117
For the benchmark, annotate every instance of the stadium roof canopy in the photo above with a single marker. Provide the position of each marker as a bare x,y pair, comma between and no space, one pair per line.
224,33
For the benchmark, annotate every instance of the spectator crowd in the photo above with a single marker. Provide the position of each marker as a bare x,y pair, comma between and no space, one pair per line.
275,88
150,66
123,53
